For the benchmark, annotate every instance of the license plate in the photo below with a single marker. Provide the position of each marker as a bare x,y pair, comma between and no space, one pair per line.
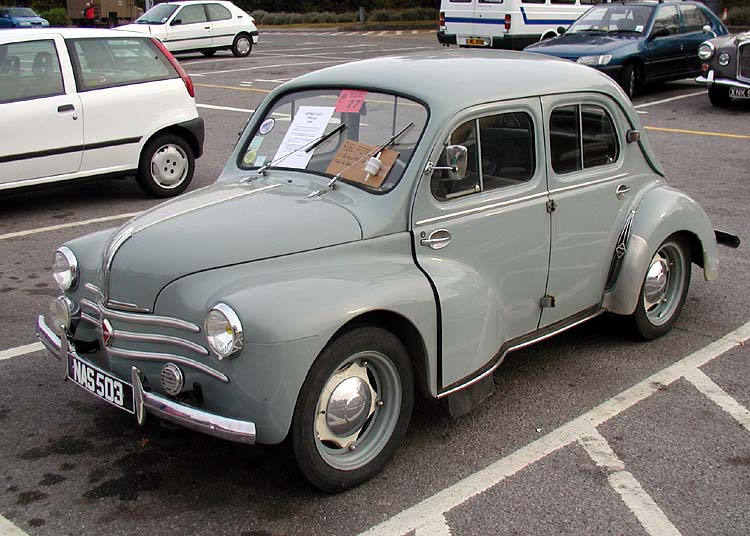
101,384
739,93
476,41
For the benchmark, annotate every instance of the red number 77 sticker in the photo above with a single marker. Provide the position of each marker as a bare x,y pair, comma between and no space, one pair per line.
350,101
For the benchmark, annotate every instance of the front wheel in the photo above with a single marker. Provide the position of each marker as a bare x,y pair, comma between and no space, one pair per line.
166,166
629,79
719,96
353,410
242,45
664,289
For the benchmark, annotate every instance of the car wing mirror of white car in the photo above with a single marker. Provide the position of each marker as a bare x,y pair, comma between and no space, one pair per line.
176,22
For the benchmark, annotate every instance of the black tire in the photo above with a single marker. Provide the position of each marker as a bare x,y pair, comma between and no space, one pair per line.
208,52
719,96
166,166
629,79
370,432
242,45
664,289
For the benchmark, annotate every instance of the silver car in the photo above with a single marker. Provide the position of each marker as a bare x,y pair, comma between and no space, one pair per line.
383,230
726,68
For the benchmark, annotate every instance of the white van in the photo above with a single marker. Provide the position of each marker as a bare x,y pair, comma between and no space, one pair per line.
510,24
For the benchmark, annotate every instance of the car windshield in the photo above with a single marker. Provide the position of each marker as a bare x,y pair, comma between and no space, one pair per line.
157,14
22,12
613,19
336,132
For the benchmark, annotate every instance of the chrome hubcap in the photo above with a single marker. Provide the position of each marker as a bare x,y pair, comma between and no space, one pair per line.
657,279
665,283
169,166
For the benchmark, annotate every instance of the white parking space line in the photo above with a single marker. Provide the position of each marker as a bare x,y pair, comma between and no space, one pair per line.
438,527
19,351
654,103
644,508
719,397
451,497
9,529
68,225
224,108
262,67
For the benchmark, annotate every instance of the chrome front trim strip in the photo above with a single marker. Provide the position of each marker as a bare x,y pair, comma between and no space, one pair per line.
120,335
136,318
132,307
721,81
164,358
518,200
501,357
113,244
89,319
745,76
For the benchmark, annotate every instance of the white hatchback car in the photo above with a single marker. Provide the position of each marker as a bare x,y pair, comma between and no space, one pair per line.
81,103
205,26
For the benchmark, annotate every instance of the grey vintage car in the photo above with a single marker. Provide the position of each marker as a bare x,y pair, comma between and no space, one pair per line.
726,68
383,229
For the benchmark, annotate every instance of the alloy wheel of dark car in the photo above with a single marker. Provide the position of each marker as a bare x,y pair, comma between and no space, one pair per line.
629,79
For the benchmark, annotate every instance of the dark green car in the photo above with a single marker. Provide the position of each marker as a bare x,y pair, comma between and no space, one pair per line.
637,43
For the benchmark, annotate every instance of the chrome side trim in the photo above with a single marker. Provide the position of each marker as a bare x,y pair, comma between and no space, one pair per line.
476,210
113,244
188,416
587,184
93,289
132,307
159,339
522,344
151,356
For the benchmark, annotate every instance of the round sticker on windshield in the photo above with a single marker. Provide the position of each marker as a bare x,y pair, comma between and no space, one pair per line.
266,126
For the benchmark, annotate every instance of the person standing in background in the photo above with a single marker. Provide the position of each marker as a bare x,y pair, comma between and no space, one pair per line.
89,14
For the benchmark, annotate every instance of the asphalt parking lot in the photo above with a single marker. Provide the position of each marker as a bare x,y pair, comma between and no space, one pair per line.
587,433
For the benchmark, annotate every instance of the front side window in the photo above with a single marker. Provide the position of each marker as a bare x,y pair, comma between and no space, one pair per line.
29,70
667,21
192,14
116,61
218,12
500,151
336,132
581,137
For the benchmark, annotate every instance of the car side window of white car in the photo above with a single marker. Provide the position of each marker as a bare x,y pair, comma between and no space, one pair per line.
192,14
29,70
218,12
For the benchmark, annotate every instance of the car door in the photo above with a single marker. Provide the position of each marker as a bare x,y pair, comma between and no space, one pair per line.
483,240
40,110
224,25
459,18
189,29
589,187
663,52
693,21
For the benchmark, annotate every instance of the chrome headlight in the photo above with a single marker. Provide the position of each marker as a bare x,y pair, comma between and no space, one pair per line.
65,269
723,59
604,59
61,314
706,51
223,331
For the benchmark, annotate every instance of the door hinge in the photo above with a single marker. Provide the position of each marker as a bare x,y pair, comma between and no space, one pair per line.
547,301
551,206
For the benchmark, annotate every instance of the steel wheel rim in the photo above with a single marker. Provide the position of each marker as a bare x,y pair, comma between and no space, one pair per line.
243,45
631,83
664,285
169,166
378,428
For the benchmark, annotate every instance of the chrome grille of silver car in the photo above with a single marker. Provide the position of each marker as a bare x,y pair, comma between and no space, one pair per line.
92,312
743,61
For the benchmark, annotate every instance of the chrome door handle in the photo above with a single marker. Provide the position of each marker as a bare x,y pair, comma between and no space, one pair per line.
437,239
622,191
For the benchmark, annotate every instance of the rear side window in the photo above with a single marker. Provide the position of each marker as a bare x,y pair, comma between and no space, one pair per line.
29,70
581,137
191,14
500,154
693,18
218,12
117,61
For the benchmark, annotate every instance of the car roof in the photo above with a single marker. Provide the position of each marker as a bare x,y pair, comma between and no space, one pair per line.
67,33
188,2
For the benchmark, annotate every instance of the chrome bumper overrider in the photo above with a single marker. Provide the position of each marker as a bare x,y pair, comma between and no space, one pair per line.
145,402
710,80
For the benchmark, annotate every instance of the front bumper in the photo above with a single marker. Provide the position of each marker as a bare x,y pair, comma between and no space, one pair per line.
146,402
710,79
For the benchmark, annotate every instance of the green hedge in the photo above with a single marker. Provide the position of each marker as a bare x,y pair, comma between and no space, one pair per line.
738,16
57,16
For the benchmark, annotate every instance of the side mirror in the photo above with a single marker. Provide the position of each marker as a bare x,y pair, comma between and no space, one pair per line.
661,32
176,22
561,30
707,29
457,158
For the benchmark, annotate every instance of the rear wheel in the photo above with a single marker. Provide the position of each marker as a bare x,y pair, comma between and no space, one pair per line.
628,79
353,409
719,96
664,289
242,45
166,166
208,53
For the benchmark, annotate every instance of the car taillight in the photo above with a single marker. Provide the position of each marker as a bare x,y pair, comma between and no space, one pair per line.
442,18
507,22
177,67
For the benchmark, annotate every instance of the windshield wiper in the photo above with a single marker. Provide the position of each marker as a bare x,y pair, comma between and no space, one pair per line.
309,146
376,151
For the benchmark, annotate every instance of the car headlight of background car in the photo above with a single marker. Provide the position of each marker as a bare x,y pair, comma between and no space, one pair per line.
602,59
65,269
223,331
723,59
706,51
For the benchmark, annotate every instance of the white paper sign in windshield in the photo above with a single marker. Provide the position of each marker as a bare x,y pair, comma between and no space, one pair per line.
309,124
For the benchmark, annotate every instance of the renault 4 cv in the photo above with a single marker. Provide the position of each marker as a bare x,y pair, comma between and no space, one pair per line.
384,229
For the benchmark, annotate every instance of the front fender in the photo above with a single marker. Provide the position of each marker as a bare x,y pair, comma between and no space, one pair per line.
662,212
290,308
